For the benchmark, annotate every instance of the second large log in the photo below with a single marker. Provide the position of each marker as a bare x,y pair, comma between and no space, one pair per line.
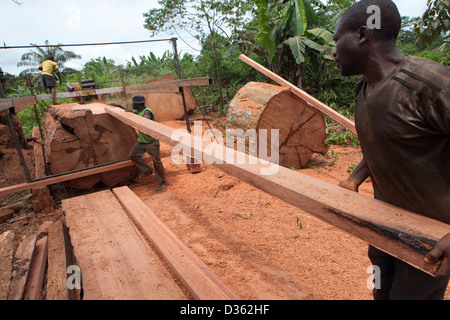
301,127
77,137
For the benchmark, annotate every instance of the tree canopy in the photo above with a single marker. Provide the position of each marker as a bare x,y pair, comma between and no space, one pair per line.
34,58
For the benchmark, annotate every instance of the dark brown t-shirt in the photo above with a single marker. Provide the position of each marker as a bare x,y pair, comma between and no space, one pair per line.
404,129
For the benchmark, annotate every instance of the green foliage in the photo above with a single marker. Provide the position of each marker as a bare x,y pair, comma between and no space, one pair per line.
34,58
437,56
28,117
301,27
434,22
346,137
351,167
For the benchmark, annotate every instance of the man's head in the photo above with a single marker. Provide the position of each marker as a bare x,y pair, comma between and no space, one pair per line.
366,23
138,102
52,58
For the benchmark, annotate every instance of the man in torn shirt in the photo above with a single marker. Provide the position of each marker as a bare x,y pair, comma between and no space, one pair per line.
402,117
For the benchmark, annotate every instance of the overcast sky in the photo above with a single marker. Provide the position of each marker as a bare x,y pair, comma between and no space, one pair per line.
81,21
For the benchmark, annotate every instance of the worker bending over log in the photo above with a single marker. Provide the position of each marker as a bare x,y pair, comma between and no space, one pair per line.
146,143
402,118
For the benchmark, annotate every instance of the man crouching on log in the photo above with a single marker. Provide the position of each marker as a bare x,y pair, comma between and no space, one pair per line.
146,143
402,117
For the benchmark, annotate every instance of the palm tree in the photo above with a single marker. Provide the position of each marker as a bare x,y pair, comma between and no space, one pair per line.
34,58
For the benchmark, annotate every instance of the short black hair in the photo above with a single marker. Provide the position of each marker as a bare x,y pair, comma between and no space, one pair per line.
356,16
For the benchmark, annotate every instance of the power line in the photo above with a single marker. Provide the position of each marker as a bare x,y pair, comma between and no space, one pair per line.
83,44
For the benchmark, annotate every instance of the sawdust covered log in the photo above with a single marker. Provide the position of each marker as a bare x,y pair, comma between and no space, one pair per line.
266,106
78,137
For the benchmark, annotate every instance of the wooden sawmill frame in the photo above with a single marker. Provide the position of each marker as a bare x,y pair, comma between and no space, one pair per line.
173,86
15,105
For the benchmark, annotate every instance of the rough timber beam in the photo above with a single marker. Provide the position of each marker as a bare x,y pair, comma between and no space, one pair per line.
401,233
61,178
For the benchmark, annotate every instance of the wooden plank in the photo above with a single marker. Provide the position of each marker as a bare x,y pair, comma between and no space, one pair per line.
399,232
6,103
19,104
90,92
6,256
116,261
146,89
67,177
5,214
302,94
23,103
59,259
21,266
36,274
191,271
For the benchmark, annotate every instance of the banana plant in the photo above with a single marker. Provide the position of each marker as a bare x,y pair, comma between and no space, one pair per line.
286,24
290,27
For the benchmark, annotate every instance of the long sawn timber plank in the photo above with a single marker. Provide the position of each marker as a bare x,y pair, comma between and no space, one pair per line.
36,273
116,261
59,258
191,271
401,233
21,266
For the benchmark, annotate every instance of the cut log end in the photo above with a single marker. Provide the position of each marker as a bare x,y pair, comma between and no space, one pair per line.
265,106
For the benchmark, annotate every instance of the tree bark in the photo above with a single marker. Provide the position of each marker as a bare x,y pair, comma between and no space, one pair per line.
266,106
6,138
81,136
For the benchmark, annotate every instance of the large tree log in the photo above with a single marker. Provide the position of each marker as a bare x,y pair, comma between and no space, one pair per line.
266,106
169,106
302,94
78,137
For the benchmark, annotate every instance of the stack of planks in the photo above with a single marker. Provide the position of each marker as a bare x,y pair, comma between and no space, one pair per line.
126,252
117,261
37,268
